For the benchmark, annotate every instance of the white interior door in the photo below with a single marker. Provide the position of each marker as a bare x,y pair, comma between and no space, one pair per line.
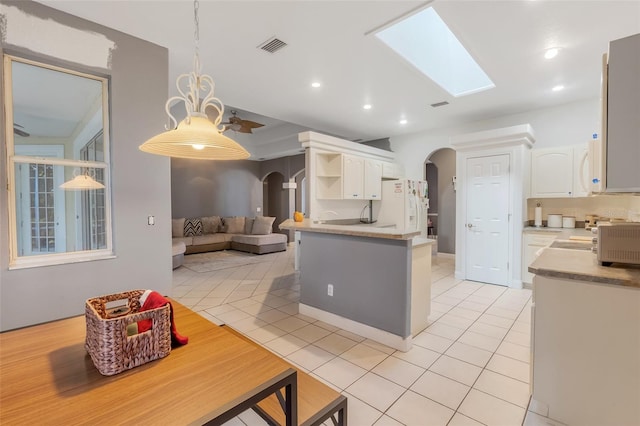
487,221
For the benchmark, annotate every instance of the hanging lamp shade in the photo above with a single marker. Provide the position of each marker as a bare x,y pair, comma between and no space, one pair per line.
82,182
195,138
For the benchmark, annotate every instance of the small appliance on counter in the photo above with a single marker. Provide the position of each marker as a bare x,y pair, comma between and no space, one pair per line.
617,242
568,221
590,221
554,221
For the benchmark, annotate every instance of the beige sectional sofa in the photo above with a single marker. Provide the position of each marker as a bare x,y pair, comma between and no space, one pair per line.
211,233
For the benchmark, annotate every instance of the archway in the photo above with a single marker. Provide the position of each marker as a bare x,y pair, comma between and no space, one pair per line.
274,200
440,172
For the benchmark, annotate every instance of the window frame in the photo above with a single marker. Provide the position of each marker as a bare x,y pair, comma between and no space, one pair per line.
16,261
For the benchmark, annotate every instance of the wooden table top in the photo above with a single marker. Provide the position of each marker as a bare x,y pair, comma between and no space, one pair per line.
47,377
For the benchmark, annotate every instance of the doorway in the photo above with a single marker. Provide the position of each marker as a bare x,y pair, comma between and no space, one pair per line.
274,201
490,163
440,170
487,219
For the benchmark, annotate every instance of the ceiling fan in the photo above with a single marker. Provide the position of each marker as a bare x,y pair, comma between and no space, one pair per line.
239,125
17,129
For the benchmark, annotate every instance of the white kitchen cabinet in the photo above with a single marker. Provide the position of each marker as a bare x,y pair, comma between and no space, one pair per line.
561,172
353,177
552,172
348,177
372,179
362,178
329,175
533,241
586,352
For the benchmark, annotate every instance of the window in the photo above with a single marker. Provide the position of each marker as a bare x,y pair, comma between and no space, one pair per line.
58,163
426,42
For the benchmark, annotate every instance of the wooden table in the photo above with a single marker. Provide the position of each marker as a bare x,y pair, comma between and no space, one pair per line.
46,377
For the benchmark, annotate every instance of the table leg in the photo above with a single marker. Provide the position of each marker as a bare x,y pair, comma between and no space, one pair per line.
291,403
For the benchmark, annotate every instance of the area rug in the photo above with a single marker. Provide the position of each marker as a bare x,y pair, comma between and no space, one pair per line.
217,260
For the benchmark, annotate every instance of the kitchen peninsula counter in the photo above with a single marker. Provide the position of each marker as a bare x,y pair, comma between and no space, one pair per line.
359,230
374,281
585,315
582,265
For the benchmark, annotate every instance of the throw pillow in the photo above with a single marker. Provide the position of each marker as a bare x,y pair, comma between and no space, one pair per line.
234,225
192,227
177,227
262,225
248,225
211,224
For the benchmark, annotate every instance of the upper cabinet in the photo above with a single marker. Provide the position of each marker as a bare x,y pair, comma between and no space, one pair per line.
353,177
560,172
348,177
362,178
372,179
621,109
329,175
552,172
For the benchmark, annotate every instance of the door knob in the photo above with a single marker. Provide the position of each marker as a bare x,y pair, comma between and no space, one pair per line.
469,225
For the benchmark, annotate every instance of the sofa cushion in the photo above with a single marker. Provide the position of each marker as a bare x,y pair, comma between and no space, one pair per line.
248,225
199,240
259,240
211,224
262,225
192,227
233,225
177,227
177,247
186,240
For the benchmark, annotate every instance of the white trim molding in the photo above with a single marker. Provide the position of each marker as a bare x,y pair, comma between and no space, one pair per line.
515,141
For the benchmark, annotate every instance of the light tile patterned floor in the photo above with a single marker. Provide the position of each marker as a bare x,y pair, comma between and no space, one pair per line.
469,367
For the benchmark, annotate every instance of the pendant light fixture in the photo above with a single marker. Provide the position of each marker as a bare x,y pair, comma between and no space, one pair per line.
82,182
196,137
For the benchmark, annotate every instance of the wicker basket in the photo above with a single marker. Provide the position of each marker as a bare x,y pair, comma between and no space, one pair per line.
111,350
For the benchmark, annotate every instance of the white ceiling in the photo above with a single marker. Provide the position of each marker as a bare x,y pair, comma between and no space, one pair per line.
330,41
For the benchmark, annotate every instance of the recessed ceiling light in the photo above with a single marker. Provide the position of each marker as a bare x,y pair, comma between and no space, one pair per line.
403,121
551,53
366,106
316,84
558,88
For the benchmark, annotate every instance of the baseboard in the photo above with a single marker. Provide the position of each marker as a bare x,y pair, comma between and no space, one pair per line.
392,340
446,255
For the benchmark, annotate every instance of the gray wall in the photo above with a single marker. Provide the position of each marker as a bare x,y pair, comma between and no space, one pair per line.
233,188
370,276
140,187
221,188
445,160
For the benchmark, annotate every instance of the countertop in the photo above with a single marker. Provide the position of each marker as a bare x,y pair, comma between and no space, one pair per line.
582,265
559,232
364,230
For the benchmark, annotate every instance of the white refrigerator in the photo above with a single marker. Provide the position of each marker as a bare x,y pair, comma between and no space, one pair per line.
405,203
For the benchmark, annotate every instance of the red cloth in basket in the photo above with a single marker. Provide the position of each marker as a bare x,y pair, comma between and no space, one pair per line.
151,300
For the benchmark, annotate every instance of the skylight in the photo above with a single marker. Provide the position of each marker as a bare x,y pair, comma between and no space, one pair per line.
427,43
